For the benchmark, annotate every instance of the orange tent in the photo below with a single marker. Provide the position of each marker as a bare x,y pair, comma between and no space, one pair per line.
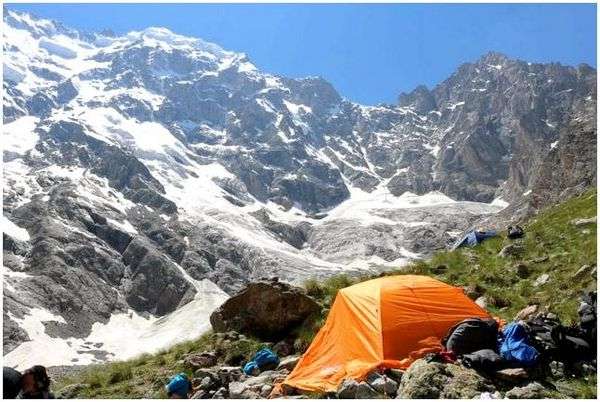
382,323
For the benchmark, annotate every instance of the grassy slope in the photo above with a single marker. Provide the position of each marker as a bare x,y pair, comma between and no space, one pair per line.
146,376
549,234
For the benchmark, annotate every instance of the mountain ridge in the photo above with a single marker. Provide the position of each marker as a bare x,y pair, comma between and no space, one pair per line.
145,176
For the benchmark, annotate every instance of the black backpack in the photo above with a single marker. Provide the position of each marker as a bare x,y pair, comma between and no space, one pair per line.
485,360
471,335
587,318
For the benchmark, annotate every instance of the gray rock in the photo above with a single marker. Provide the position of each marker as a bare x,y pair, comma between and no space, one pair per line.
527,313
382,384
512,250
558,369
438,380
514,375
221,393
583,221
288,363
200,360
347,389
541,280
365,391
239,390
482,301
229,374
200,394
532,390
585,270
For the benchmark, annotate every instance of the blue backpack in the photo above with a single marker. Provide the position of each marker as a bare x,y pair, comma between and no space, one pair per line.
514,346
179,385
262,359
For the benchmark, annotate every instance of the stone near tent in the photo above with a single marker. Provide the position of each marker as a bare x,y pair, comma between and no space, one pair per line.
288,363
583,221
200,394
206,383
382,384
437,380
482,302
266,309
265,390
532,390
221,393
228,374
255,387
539,260
512,250
527,312
585,270
473,291
365,391
239,390
515,375
557,369
200,360
347,389
541,280
207,372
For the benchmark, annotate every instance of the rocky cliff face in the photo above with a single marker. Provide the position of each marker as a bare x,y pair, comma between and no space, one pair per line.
150,174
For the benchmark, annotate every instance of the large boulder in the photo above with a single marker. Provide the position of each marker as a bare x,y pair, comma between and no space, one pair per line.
266,309
434,380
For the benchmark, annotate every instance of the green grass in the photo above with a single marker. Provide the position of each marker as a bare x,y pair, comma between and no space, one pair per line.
549,234
146,376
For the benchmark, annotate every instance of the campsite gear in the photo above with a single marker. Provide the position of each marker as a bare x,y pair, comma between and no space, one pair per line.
11,383
473,238
571,348
387,322
264,359
485,360
35,384
515,346
178,387
515,232
555,342
470,335
539,335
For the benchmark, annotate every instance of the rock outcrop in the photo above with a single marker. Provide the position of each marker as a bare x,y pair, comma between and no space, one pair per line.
267,309
437,380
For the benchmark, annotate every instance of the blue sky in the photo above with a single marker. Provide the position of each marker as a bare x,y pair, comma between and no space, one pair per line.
369,52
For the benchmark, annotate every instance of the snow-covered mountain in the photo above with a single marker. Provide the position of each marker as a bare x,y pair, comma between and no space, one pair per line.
148,175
